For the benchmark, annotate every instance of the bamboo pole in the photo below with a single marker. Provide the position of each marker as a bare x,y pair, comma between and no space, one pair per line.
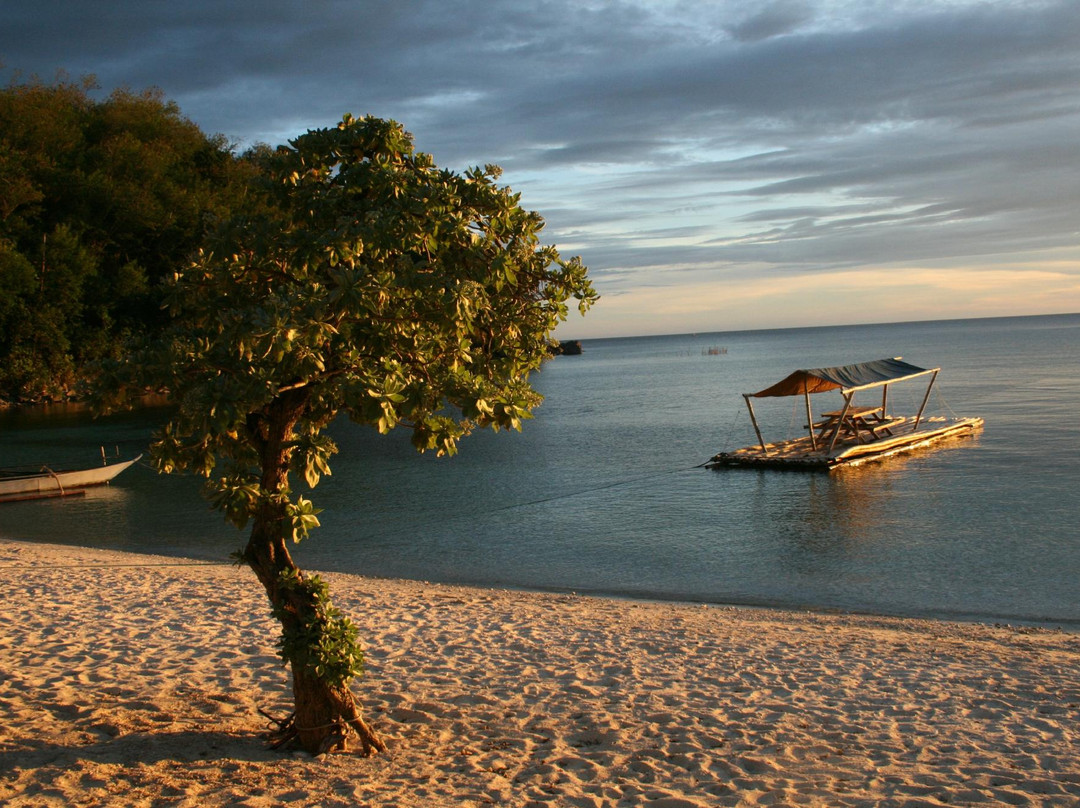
753,420
840,420
926,398
809,418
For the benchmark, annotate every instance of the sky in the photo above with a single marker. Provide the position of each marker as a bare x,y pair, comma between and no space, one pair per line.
718,165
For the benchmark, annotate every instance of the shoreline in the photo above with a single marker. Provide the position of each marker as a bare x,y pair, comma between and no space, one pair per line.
141,683
999,620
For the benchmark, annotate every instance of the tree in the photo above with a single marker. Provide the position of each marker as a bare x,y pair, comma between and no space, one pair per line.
369,283
99,202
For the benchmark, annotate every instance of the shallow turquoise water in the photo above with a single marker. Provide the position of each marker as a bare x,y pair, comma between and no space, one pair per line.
601,492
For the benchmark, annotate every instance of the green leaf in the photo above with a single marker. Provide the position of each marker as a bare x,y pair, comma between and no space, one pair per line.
357,278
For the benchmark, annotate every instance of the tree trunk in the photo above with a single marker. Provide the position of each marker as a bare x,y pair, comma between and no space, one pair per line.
326,713
326,716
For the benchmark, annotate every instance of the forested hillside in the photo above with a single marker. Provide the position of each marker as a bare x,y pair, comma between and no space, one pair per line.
99,200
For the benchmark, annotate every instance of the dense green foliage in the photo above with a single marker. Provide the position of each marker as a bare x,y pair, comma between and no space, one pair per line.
368,283
377,284
327,644
99,202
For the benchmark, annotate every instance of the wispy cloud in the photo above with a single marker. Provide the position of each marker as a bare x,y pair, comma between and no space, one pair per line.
662,140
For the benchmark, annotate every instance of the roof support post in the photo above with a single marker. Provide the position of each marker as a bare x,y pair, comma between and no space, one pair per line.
809,418
840,420
926,398
753,420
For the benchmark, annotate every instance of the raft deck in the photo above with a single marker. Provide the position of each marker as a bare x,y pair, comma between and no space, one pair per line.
901,435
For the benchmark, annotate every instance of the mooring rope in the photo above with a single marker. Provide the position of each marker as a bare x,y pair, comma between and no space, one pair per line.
945,404
736,413
604,487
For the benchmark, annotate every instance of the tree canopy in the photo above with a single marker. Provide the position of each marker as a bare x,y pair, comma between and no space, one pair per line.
99,202
365,281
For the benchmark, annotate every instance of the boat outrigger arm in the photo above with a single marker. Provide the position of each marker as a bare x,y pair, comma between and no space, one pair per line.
848,379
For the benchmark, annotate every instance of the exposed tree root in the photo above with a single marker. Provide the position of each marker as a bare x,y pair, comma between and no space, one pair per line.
286,734
285,731
370,743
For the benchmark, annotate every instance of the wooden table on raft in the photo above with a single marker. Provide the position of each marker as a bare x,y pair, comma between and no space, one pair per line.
856,420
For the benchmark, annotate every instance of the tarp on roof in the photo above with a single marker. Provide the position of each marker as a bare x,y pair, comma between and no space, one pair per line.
846,377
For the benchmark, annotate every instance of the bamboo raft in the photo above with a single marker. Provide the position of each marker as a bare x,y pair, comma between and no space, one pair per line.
798,452
851,435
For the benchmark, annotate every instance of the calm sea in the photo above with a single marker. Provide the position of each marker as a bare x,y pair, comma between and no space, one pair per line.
602,492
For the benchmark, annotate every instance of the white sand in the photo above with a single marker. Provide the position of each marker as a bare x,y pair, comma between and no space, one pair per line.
134,680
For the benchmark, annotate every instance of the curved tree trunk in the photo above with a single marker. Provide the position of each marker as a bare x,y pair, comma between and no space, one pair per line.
326,714
326,717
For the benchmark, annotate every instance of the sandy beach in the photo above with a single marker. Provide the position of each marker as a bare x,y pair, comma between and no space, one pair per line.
136,680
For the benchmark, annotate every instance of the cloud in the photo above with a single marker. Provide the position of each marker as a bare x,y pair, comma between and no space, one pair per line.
733,298
774,19
805,136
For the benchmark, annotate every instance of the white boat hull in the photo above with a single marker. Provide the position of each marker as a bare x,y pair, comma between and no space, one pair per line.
48,482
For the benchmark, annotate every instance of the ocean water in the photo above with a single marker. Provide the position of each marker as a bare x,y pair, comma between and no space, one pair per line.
602,492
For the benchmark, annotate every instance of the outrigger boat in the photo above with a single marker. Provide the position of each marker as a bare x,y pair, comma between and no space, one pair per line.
849,435
16,486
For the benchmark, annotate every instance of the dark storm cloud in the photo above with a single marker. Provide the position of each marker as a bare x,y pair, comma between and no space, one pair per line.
796,133
771,20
